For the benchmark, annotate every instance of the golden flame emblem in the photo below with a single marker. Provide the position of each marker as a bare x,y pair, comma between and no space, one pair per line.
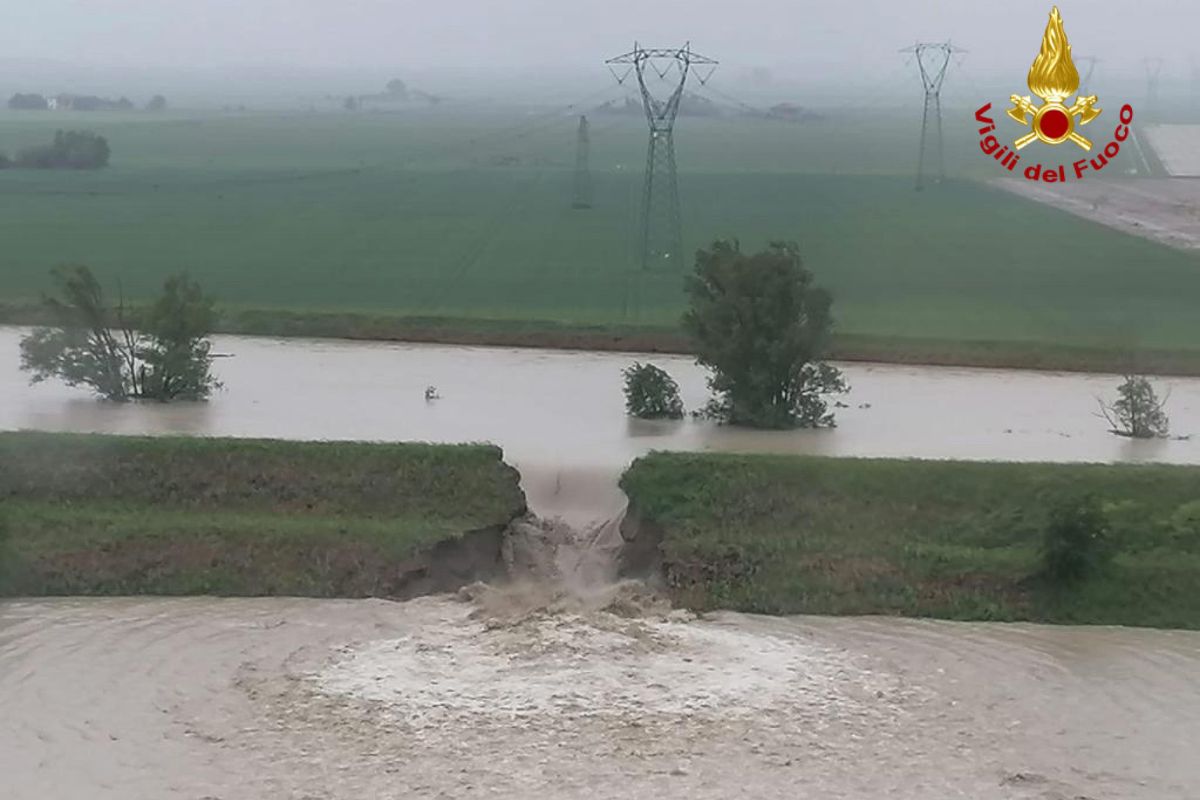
1053,78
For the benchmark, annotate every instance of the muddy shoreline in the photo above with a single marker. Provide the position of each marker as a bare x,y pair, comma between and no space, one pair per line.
545,335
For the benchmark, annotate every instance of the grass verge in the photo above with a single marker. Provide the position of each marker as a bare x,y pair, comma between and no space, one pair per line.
791,535
85,514
659,339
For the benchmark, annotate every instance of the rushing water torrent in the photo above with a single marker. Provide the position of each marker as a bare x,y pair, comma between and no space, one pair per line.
561,420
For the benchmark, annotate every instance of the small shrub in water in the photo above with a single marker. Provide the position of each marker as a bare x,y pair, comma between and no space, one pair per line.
650,393
1076,541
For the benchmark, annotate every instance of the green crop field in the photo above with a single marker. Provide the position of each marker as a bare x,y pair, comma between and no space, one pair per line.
130,515
468,217
960,540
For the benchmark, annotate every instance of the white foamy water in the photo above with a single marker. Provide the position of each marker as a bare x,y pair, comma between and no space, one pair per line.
588,665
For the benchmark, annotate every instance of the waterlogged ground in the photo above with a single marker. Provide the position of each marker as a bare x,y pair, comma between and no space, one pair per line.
561,420
250,699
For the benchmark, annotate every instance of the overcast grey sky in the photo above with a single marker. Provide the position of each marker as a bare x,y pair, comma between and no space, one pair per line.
790,37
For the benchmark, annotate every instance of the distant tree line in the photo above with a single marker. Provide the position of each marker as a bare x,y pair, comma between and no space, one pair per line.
396,91
69,150
77,102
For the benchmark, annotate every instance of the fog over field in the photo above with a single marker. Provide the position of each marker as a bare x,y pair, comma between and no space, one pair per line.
535,48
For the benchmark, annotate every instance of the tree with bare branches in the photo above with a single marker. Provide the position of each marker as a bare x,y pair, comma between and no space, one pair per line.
166,357
1137,412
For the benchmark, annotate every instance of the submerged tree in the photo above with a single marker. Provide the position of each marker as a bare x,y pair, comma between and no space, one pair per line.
650,393
762,327
166,358
1137,412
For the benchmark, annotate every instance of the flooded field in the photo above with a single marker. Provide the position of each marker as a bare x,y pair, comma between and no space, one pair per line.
561,420
277,698
250,699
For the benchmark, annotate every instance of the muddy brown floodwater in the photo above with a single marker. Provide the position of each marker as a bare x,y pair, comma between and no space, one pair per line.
248,699
257,699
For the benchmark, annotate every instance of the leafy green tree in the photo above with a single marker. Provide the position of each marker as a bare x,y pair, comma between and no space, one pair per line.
81,348
1137,412
650,393
177,352
761,326
94,345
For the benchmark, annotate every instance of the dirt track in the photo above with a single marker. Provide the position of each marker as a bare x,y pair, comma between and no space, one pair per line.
1166,210
278,698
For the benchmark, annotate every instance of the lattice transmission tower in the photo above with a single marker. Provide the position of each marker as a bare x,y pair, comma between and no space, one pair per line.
661,235
1088,65
1153,67
583,173
933,59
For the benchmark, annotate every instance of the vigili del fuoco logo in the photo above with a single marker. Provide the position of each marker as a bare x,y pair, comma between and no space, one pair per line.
1053,78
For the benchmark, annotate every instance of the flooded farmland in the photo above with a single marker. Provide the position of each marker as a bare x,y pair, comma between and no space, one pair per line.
561,420
441,697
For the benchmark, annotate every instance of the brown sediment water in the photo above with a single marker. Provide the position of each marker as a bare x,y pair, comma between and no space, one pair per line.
561,420
255,699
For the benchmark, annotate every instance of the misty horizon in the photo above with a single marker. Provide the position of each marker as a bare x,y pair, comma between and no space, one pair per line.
535,48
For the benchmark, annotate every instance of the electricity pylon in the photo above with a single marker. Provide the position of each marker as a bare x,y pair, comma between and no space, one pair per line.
933,58
661,235
1089,65
1153,67
583,174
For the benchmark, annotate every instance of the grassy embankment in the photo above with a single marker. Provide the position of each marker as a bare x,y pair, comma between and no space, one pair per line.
124,515
782,535
322,225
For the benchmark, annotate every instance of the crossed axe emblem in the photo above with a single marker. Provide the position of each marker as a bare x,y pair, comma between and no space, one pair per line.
1023,107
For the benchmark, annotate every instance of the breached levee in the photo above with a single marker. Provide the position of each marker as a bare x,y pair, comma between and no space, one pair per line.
89,514
563,638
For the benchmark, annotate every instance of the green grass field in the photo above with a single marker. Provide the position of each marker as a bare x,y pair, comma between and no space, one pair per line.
468,218
129,515
789,534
